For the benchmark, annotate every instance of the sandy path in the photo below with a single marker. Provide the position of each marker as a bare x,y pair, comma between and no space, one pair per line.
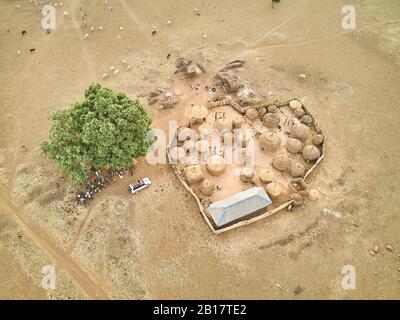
61,259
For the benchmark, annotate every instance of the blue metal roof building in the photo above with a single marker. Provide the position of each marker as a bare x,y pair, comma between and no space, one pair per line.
239,205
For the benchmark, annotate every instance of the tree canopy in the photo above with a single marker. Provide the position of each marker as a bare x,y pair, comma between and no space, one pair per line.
107,128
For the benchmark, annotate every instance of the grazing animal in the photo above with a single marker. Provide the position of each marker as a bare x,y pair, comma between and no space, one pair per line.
154,33
275,1
23,32
32,50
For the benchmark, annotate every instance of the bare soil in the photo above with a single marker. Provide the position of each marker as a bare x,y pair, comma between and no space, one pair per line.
155,244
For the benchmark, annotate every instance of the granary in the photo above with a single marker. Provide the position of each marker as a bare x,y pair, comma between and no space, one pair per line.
239,206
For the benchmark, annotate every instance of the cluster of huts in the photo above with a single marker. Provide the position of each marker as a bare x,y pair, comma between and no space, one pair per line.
285,142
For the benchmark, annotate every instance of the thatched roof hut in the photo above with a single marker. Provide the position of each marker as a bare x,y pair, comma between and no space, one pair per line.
198,114
281,162
246,174
194,174
266,176
311,152
274,189
269,141
216,165
294,145
300,131
207,187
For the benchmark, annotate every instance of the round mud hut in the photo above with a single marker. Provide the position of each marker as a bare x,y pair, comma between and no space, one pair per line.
198,114
266,176
177,154
271,120
246,174
281,162
299,131
274,189
223,124
311,152
269,141
216,165
207,187
294,145
194,174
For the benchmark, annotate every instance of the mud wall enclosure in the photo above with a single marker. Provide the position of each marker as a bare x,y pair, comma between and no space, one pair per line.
293,188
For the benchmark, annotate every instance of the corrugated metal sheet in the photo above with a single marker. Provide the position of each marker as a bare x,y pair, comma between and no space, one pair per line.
239,205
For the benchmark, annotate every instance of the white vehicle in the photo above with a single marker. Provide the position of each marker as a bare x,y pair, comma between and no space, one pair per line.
139,185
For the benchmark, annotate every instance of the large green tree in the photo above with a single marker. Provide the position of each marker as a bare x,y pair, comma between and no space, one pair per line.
107,128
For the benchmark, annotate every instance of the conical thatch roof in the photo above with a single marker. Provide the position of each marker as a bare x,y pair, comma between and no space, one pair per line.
198,113
299,131
205,130
216,165
223,124
177,154
194,174
202,146
311,152
185,133
266,176
207,187
269,141
274,189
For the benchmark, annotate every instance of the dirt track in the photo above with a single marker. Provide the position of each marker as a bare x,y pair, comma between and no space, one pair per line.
156,245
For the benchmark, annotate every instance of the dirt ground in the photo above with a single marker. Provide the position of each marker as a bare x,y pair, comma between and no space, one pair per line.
156,244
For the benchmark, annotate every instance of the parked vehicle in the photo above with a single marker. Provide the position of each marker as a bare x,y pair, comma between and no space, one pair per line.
139,185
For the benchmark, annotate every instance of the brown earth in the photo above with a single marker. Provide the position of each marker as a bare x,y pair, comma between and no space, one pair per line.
155,244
